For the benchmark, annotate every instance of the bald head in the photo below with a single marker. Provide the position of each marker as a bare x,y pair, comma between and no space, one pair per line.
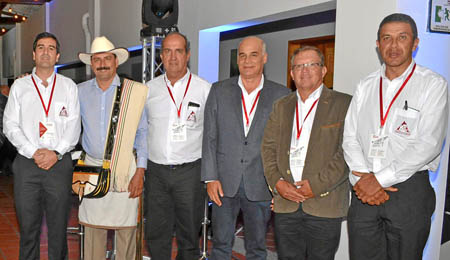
251,57
254,40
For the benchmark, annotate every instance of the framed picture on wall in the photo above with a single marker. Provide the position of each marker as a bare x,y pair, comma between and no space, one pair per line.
439,16
234,70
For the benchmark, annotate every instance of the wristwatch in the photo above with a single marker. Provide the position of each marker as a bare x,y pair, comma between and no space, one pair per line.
58,155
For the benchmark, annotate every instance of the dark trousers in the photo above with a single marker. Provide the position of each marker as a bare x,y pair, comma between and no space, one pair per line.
256,217
174,197
38,192
300,236
397,229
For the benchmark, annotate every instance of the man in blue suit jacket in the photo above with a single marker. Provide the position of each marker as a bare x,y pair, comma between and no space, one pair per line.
235,116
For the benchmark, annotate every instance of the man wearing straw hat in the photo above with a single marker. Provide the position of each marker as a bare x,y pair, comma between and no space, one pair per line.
118,209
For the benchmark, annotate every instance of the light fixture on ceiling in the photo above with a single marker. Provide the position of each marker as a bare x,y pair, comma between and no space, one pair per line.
10,10
16,16
3,29
24,18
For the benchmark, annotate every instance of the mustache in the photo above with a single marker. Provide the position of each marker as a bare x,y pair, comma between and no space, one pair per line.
103,68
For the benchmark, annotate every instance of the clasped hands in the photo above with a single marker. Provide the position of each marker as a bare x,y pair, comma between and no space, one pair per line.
44,158
297,192
369,190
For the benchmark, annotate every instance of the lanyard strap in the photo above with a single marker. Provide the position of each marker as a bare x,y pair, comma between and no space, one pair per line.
171,95
46,109
247,120
299,129
383,119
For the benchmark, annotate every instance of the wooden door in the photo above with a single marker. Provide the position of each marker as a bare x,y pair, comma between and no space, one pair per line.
326,45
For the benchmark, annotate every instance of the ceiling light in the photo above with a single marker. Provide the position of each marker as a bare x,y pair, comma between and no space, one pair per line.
24,18
3,30
16,16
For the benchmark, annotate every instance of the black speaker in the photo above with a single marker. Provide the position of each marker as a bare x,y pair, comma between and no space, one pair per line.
159,17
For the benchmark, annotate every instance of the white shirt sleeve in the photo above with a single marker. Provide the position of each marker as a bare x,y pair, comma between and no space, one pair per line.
11,124
353,152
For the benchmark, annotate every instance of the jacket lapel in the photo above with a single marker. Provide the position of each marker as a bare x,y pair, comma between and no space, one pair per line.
286,124
320,119
236,104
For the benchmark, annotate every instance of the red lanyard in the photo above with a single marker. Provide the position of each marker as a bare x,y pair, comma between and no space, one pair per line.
46,109
247,120
299,129
383,119
170,93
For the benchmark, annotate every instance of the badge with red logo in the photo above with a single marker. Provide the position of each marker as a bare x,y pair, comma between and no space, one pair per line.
63,112
403,129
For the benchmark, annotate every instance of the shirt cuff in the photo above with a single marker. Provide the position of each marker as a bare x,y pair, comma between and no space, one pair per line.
386,177
210,181
141,162
62,147
353,178
28,151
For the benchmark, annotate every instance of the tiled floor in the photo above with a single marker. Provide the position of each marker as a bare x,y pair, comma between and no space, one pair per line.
9,231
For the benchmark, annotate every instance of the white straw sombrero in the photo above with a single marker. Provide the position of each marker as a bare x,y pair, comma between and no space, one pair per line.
102,44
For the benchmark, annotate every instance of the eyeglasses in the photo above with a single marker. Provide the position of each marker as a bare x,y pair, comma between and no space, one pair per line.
306,66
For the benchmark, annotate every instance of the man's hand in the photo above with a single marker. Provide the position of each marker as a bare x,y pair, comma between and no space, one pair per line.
289,191
137,183
215,192
44,158
369,190
304,189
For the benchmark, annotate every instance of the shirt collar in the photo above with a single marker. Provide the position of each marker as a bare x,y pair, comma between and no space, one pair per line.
114,83
404,74
313,96
39,80
260,86
182,80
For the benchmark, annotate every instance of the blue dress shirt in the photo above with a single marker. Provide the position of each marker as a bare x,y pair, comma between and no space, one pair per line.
95,109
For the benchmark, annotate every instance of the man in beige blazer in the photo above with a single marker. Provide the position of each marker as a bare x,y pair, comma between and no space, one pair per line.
303,162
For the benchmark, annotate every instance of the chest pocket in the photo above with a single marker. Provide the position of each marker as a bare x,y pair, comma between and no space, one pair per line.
405,122
61,111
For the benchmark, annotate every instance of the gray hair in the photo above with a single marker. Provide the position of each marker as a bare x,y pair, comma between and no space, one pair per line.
255,37
308,48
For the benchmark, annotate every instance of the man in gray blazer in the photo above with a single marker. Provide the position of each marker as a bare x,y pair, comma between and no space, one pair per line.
235,116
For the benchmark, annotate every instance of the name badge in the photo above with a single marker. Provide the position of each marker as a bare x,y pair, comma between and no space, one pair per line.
47,130
378,146
297,158
178,132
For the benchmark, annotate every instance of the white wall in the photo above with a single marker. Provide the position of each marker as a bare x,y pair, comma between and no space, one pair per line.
25,34
277,49
65,22
121,21
355,50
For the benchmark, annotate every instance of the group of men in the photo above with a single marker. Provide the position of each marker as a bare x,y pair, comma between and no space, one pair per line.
250,140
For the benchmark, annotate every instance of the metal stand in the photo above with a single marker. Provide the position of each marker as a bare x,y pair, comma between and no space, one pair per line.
149,64
205,224
80,232
113,253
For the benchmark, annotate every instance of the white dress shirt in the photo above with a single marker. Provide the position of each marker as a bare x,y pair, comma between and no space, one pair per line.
301,145
162,114
24,112
249,99
415,132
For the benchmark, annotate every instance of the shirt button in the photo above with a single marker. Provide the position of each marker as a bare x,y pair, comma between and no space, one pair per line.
288,172
242,160
245,143
287,152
